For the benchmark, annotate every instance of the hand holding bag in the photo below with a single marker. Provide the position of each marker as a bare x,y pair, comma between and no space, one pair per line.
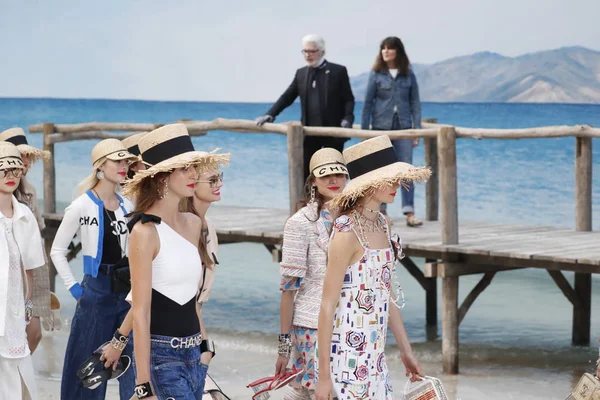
428,388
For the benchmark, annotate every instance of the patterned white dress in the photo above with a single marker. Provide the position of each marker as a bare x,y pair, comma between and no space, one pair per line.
358,365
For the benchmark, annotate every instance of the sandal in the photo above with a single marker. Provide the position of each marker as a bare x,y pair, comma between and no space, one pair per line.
88,366
413,221
95,379
262,386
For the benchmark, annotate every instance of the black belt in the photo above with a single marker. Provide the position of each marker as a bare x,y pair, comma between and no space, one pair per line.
106,269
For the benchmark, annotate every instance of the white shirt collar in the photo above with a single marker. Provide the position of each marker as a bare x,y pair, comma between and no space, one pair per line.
18,212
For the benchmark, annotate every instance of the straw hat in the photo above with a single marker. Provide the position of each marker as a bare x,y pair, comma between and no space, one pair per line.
17,137
327,161
10,156
132,143
373,164
111,149
166,149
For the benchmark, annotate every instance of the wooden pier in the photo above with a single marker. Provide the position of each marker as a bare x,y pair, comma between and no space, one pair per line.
450,249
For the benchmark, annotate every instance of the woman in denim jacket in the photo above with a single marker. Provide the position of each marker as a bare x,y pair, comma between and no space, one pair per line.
392,103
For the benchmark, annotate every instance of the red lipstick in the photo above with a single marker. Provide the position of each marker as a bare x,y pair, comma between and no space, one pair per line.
122,173
334,188
191,185
11,183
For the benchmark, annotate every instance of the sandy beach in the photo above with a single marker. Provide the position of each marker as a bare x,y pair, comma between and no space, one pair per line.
237,363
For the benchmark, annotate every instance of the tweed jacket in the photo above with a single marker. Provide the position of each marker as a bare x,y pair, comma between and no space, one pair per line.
304,255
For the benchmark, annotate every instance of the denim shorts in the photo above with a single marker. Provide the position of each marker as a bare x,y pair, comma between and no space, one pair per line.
176,373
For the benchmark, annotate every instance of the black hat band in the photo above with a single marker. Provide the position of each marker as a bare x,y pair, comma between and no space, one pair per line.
17,140
135,150
170,148
371,162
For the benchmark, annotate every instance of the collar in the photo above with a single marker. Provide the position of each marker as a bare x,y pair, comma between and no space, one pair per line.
321,64
18,212
99,202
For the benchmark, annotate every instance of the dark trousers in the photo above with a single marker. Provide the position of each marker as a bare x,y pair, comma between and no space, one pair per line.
314,143
98,314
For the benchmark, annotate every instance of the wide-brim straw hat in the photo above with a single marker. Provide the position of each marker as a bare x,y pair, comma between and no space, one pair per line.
110,149
327,161
17,137
132,143
166,149
373,164
10,156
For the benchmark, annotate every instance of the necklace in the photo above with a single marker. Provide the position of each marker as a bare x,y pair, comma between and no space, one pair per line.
371,211
366,225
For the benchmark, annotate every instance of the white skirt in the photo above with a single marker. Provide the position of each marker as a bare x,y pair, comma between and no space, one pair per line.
18,379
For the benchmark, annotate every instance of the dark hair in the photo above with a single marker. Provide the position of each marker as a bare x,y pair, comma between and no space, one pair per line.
307,198
148,191
401,62
187,205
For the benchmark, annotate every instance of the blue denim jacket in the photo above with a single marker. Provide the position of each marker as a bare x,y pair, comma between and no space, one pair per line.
385,93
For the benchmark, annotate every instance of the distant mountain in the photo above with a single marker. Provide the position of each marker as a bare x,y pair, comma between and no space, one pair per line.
565,75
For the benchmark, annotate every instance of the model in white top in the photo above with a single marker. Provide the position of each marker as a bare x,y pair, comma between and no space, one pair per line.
20,253
171,350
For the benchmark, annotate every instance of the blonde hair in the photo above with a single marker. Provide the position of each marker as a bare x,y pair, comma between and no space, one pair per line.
89,182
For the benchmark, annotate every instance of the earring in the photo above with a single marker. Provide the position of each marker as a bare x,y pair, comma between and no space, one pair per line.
165,192
313,193
100,174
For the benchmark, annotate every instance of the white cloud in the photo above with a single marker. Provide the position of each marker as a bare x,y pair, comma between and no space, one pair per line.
248,51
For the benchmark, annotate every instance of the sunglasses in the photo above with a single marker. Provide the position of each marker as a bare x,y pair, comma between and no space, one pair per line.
213,180
15,172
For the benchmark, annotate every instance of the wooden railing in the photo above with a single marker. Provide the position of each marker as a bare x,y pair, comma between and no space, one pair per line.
440,156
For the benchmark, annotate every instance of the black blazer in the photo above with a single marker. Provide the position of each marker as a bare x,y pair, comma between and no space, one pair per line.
339,100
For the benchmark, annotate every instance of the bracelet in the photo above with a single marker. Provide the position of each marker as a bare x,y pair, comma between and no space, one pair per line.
119,341
28,310
144,390
285,347
283,336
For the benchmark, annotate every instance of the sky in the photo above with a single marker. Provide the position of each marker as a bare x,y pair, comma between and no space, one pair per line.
248,50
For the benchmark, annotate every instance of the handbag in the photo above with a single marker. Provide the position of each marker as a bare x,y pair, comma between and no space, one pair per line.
428,388
121,276
588,388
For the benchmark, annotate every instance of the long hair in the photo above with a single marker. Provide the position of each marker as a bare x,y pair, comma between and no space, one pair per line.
401,62
90,181
24,192
307,198
187,205
148,192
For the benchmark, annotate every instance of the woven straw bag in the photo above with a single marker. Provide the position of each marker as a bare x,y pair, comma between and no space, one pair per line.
428,388
588,388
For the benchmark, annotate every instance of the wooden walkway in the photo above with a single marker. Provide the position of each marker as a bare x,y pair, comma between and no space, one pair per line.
510,245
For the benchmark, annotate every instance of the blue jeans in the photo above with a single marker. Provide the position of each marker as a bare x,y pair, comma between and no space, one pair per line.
404,152
98,314
176,373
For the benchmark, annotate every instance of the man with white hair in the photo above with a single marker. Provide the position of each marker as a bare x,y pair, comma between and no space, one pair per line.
326,98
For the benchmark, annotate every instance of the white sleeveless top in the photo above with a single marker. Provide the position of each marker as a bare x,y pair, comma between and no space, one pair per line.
177,268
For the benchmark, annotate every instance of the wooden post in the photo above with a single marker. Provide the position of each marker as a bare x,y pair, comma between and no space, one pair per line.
448,184
431,328
583,222
450,325
431,187
49,196
449,205
295,147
